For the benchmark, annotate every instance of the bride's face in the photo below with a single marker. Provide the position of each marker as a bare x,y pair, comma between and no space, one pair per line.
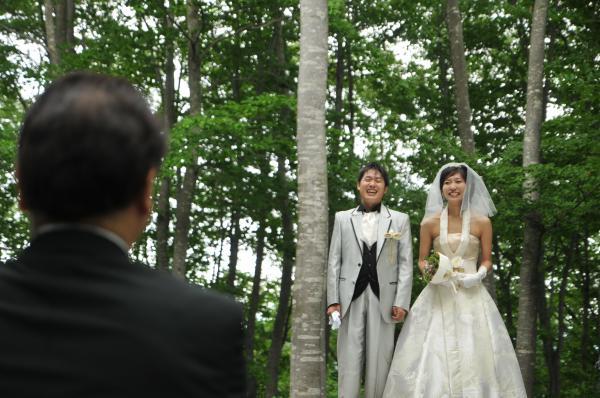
454,187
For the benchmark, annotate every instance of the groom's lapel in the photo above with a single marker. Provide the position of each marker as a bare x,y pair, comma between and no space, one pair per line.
356,223
385,220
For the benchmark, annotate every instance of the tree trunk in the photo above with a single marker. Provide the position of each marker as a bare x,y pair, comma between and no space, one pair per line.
335,139
443,83
186,191
234,242
69,23
308,373
552,347
339,84
217,268
350,72
555,382
504,282
286,281
490,283
545,323
182,226
162,225
253,305
169,87
461,77
51,29
585,328
59,22
461,94
236,87
60,10
526,327
170,117
194,60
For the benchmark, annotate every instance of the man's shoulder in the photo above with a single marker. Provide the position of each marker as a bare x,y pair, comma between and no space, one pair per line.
182,290
171,296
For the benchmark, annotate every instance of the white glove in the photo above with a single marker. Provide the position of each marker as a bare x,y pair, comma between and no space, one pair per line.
449,283
470,280
334,320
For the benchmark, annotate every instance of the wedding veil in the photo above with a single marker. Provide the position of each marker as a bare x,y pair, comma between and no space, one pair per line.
476,197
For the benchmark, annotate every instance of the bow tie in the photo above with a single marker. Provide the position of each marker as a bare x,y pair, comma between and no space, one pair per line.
376,208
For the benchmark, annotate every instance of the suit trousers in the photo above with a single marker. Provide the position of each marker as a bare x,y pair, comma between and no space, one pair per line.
364,340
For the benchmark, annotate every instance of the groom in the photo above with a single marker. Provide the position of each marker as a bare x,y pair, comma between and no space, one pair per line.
369,283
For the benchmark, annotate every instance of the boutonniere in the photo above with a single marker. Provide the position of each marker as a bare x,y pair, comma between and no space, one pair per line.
392,235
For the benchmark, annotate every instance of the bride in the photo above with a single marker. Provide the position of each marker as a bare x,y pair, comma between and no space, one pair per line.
453,342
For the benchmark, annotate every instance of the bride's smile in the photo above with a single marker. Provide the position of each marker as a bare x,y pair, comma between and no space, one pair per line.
454,187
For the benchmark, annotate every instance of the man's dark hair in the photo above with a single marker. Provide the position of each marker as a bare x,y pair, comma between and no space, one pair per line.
86,147
450,170
374,166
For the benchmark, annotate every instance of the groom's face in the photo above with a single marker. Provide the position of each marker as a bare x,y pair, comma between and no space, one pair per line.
371,188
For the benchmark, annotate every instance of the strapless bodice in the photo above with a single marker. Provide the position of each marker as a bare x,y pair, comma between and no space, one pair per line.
471,253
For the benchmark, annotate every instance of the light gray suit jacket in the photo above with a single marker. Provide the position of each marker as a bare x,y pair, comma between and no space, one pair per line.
394,260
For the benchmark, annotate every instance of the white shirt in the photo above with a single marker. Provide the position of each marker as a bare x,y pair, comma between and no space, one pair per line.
370,222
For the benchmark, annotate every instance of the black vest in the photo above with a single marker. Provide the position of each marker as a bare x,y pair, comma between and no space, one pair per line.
368,272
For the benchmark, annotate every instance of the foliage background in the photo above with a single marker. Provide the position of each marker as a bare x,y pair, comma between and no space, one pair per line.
390,99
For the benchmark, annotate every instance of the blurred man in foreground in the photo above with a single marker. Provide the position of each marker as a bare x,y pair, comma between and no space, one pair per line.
77,317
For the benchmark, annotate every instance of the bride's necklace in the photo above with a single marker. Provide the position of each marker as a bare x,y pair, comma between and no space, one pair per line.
464,237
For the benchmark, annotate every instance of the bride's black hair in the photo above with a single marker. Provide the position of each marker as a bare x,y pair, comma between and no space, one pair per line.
450,170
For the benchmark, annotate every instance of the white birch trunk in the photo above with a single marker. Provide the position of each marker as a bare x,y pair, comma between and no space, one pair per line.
526,324
308,374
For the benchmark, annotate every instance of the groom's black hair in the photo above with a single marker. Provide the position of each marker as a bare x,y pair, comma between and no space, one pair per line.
374,166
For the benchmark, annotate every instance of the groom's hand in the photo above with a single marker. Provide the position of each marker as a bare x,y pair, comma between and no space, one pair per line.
332,308
398,313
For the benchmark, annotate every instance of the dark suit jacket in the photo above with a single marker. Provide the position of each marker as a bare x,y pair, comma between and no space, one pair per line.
78,319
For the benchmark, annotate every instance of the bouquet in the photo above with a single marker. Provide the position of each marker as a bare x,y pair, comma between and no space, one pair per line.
439,269
432,263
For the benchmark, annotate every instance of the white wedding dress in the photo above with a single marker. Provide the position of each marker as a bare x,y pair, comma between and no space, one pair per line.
454,344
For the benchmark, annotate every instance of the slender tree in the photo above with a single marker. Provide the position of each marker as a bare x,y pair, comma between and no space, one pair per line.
58,23
461,76
281,318
186,191
163,210
234,245
253,305
308,327
162,225
532,244
461,94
